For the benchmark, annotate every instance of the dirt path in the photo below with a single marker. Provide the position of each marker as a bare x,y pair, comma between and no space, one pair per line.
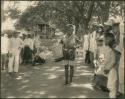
47,81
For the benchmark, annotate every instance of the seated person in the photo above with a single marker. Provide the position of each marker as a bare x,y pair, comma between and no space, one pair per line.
99,64
37,59
100,79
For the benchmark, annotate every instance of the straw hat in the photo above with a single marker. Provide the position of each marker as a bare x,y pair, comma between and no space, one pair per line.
112,21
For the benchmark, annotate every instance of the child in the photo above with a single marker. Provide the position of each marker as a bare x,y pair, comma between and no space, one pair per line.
99,65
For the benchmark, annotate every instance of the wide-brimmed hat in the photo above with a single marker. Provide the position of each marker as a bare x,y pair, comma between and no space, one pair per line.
101,38
112,21
100,25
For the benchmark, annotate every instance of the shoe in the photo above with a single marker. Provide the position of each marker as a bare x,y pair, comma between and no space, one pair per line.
66,83
15,74
10,74
119,94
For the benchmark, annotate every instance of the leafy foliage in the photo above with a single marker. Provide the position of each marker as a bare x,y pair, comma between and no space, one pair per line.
61,13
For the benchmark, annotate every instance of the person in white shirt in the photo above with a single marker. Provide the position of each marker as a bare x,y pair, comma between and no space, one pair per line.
14,54
4,50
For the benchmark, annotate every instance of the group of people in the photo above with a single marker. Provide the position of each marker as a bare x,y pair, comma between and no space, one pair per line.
11,46
103,49
16,49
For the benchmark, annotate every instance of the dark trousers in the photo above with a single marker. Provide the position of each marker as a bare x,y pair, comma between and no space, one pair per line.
4,61
69,72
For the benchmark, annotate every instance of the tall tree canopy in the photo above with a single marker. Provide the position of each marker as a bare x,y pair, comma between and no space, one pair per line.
60,13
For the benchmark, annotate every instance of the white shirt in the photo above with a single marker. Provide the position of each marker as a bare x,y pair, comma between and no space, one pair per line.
29,42
4,45
15,45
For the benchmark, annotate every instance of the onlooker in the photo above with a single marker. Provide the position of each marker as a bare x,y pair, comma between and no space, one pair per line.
4,50
28,49
110,69
58,54
14,53
22,47
92,46
85,45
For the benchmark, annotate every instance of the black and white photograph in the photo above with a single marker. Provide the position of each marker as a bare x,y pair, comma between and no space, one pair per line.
62,49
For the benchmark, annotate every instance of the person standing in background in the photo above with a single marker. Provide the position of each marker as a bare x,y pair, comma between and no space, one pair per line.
85,45
120,47
4,51
93,45
27,49
31,46
20,37
14,54
110,64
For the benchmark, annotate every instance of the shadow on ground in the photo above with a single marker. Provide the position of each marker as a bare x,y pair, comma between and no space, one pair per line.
47,81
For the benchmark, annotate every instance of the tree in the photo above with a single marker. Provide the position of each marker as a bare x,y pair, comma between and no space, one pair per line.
61,13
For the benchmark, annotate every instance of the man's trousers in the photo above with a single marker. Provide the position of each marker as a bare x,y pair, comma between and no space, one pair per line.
69,72
13,65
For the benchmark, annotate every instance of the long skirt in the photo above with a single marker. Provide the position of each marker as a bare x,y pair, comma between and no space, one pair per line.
27,56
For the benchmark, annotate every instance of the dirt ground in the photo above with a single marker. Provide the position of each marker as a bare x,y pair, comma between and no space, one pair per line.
47,81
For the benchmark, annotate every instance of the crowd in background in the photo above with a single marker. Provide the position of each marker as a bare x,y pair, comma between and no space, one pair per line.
103,49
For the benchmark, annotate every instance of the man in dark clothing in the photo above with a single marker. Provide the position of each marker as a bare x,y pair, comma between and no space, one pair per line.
69,46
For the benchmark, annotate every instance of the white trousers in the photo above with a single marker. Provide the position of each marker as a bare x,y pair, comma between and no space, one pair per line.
13,64
112,83
84,53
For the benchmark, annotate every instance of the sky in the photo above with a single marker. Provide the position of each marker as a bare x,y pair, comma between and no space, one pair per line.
19,5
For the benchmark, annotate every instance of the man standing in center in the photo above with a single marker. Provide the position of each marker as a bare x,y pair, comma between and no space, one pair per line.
69,47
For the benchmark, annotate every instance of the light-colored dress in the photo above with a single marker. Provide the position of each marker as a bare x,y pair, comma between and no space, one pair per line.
86,42
121,73
57,50
93,44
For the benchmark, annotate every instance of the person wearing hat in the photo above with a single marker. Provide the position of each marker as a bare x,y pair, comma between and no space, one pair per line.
112,26
109,64
99,31
85,45
69,46
4,50
92,45
28,49
14,54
